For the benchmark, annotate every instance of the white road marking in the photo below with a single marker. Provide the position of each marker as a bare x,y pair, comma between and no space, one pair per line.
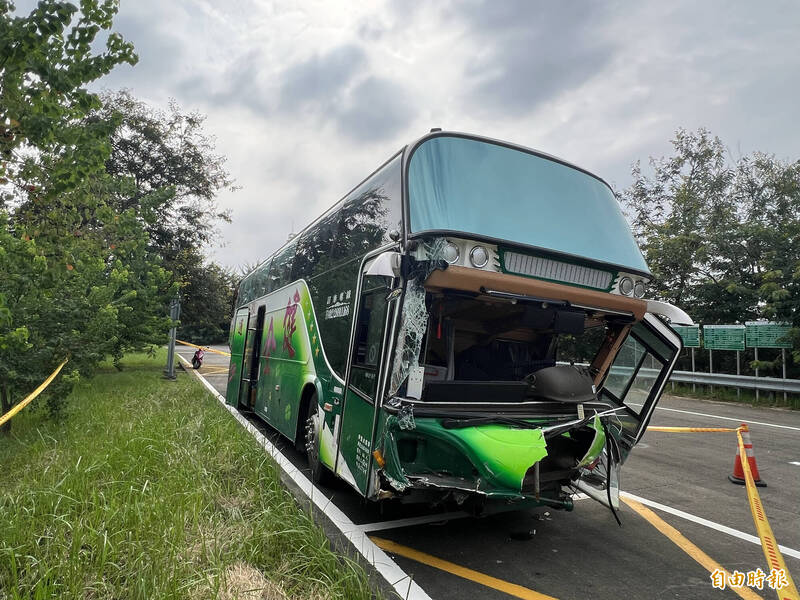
794,462
737,420
390,570
705,522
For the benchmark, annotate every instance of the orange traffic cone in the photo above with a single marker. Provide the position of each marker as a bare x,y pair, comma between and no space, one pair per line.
738,472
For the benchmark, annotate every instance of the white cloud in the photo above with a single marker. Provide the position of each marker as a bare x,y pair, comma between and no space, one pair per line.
306,98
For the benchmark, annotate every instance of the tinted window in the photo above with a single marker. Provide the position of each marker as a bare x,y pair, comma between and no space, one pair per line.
369,335
261,283
314,248
369,213
280,272
333,295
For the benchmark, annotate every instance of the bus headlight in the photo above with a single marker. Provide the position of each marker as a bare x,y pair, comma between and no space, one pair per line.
639,289
626,285
451,253
479,257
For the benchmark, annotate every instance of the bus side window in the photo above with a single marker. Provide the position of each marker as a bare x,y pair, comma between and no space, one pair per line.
313,255
369,340
280,272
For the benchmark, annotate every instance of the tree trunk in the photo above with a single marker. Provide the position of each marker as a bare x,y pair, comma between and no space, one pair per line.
5,406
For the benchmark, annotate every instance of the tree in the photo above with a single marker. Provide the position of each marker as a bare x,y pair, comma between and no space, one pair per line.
169,175
207,300
45,62
722,236
173,170
78,278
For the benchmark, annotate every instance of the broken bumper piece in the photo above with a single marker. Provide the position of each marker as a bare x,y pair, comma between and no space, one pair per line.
426,461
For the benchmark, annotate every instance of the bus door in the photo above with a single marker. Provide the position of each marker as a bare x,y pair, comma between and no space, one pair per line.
364,374
639,373
237,350
252,345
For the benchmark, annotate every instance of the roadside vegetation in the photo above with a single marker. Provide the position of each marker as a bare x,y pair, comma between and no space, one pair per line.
149,489
727,394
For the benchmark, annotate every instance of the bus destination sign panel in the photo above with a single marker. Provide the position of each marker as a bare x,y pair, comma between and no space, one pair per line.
723,337
690,334
765,334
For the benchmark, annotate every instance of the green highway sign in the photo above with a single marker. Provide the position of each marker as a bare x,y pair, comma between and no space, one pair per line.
690,334
723,337
765,334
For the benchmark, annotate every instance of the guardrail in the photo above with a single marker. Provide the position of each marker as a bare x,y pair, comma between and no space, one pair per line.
764,384
748,382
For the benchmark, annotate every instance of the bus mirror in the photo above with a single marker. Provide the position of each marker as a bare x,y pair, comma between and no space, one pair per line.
673,313
386,264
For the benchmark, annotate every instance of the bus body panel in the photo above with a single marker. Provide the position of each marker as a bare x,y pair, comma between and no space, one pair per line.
355,439
238,332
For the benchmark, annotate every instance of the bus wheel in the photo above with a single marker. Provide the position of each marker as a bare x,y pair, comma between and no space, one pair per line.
319,472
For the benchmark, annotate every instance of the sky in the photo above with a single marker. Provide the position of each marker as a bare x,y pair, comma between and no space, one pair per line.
306,98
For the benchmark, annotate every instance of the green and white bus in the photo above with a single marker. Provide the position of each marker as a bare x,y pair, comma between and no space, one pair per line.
468,324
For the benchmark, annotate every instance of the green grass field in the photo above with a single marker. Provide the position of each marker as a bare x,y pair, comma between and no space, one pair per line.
149,489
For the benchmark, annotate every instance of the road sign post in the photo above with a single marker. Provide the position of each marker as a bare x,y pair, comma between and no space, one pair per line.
738,372
722,337
767,334
174,315
690,335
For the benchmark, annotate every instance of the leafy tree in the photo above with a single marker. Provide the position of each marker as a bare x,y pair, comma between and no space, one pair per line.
45,62
169,174
78,278
722,236
206,301
173,170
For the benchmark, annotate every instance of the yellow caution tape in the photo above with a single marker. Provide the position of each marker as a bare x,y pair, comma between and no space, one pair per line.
768,542
691,429
205,348
28,399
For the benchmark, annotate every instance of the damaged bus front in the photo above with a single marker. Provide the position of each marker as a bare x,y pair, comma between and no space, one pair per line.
525,361
468,324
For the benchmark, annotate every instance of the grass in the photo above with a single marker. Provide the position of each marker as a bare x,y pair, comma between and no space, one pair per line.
728,394
149,489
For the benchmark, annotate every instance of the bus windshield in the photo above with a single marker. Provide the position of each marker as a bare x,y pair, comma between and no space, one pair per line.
463,185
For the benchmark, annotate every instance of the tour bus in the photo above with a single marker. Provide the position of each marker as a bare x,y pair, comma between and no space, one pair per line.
469,324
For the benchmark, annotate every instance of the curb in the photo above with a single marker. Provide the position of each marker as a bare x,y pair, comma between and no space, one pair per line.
345,536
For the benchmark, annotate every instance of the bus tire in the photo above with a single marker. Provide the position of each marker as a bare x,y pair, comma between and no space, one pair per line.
320,474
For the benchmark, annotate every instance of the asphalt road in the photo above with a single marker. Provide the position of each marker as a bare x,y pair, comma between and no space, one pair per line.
585,554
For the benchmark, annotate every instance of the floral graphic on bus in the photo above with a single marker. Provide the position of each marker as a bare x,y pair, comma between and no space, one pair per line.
269,345
289,323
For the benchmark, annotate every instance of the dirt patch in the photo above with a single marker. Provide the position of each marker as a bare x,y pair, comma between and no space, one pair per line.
244,582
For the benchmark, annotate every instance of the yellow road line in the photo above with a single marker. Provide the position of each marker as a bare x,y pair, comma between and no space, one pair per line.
28,399
214,371
768,542
691,429
206,348
511,589
684,544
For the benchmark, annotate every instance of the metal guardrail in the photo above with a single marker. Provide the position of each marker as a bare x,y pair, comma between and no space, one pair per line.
748,382
764,384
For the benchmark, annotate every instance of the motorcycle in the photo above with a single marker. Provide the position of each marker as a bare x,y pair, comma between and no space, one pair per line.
197,359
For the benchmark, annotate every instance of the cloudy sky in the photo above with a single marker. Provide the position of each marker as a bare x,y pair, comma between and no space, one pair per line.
307,97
